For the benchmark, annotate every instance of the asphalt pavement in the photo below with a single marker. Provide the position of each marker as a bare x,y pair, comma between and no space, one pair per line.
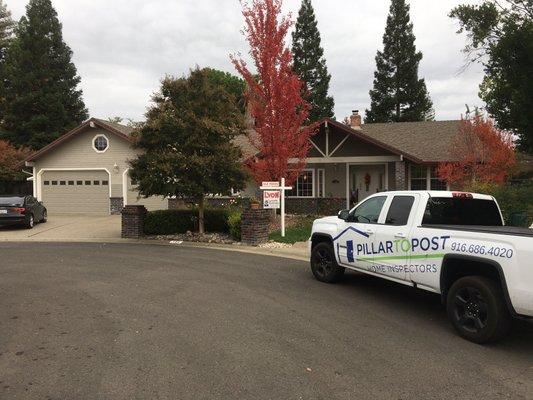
135,321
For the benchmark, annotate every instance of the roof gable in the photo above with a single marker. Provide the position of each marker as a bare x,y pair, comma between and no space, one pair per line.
121,131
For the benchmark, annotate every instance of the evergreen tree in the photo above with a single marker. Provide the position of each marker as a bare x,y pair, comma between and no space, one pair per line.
310,65
42,99
6,36
398,93
6,29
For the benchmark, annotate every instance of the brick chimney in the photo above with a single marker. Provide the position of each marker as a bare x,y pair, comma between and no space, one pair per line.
355,120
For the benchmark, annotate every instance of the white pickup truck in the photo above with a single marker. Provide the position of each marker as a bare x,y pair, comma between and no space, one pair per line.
451,243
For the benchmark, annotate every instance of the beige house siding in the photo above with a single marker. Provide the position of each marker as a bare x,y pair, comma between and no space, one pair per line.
78,154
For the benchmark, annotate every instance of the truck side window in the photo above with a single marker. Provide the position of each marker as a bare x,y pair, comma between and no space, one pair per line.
399,210
368,212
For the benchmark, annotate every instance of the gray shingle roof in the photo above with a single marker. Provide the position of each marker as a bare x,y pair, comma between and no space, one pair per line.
429,140
126,130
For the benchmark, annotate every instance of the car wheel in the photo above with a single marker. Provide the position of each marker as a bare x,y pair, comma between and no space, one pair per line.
45,217
30,222
477,309
324,265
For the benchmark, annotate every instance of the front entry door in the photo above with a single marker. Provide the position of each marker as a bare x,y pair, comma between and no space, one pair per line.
365,180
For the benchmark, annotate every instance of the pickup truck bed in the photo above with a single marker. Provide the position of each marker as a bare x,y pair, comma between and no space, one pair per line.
499,230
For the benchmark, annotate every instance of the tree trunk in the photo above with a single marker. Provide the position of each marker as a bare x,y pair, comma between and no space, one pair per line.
201,219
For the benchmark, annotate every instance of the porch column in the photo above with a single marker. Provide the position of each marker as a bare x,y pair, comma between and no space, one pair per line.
400,175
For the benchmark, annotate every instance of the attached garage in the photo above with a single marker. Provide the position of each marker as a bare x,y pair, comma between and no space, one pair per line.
85,192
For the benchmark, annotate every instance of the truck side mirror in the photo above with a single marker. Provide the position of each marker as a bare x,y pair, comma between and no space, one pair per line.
344,214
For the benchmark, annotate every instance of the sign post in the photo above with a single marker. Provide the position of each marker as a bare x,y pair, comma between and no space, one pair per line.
274,198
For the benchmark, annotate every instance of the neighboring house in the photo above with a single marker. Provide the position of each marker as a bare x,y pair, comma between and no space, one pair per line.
86,171
347,163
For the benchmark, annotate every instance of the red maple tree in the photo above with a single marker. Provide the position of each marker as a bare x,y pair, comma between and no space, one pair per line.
273,94
484,154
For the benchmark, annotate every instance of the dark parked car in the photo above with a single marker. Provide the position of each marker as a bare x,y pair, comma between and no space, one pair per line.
21,210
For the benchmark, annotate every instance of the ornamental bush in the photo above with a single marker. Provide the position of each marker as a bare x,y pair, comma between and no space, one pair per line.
169,222
234,224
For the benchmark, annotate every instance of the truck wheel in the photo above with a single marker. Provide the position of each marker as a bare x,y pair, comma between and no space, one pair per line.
324,265
477,310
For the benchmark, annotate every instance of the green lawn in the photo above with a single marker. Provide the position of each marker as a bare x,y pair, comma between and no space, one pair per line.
297,233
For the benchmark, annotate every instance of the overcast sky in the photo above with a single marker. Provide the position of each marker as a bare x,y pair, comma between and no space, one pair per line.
122,48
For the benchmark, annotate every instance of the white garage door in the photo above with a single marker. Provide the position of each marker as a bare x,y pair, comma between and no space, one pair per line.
83,192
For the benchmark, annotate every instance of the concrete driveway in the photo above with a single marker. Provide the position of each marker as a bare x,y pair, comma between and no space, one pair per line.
72,228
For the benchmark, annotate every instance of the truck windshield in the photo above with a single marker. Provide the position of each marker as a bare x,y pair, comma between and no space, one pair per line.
11,201
461,211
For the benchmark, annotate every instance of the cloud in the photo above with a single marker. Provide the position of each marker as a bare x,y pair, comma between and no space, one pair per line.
122,48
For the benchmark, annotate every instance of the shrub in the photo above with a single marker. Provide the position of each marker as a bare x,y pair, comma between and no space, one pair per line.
513,200
168,222
234,224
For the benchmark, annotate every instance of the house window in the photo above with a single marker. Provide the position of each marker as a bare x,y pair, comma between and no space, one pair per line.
436,183
425,178
419,177
46,183
320,183
87,183
71,183
79,183
100,143
304,185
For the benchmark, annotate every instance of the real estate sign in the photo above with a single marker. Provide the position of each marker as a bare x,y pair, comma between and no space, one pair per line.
271,199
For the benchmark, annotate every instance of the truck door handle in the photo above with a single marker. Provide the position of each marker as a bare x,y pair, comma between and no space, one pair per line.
400,236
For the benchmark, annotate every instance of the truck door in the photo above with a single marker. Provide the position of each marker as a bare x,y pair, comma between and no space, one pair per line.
355,242
393,246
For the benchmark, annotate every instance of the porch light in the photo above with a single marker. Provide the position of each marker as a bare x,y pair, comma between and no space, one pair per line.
115,168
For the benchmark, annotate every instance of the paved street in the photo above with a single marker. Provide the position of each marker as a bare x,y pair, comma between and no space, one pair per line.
132,321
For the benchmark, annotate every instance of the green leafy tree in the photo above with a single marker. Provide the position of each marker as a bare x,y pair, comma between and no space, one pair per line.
501,38
187,141
42,99
398,94
310,64
233,84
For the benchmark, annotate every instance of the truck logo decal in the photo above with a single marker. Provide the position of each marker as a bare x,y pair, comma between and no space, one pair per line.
351,228
412,257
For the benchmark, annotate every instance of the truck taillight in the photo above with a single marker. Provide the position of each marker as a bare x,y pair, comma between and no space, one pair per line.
462,195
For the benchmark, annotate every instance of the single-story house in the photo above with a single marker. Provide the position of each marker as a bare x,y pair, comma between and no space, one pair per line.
86,171
348,162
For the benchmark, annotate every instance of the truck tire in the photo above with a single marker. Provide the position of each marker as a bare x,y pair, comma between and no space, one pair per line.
477,310
324,265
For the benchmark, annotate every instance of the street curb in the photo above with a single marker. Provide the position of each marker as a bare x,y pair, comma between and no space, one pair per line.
302,256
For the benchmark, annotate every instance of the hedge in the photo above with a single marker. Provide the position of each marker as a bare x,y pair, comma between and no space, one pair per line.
169,222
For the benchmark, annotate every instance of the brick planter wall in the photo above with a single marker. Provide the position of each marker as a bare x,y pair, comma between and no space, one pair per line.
133,221
255,227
